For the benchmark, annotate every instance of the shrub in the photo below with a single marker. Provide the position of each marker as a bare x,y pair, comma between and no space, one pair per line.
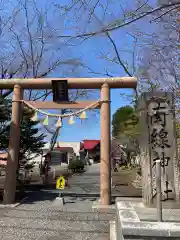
125,167
76,166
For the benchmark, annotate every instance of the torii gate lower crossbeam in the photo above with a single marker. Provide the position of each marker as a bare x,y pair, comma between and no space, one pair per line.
77,83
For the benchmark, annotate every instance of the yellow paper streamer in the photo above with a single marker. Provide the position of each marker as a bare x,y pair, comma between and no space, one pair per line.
83,115
35,117
45,122
71,120
59,122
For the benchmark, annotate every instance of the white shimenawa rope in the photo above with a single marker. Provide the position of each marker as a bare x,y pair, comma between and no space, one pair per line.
61,115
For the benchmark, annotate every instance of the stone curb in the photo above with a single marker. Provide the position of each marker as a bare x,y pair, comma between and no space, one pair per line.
151,229
80,194
96,204
99,206
130,224
13,205
112,230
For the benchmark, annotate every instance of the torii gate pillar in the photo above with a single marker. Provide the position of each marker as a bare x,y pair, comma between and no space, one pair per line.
14,143
105,171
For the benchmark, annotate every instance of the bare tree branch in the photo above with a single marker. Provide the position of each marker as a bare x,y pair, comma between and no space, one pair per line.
117,26
32,57
118,56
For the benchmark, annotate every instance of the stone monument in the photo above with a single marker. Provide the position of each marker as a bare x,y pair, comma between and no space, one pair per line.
158,141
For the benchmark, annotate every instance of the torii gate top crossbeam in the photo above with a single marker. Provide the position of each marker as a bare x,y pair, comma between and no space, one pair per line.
73,83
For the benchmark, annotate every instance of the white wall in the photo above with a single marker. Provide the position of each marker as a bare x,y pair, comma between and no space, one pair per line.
74,145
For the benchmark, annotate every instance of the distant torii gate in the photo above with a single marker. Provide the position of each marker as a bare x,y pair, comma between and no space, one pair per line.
105,84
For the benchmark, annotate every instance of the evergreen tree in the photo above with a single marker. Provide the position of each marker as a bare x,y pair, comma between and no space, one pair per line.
124,121
5,112
125,127
31,141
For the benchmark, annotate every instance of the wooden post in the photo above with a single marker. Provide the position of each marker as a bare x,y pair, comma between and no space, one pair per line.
158,191
105,171
14,144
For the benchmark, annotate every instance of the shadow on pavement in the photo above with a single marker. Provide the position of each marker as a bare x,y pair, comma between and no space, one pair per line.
33,197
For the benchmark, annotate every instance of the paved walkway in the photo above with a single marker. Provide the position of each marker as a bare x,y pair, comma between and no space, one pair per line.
89,182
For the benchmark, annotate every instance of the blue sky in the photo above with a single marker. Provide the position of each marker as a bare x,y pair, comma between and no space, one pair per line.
90,128
91,52
95,53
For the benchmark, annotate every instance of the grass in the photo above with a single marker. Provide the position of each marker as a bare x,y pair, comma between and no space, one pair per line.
124,176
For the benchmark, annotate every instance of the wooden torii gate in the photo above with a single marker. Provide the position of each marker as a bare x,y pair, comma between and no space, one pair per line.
105,84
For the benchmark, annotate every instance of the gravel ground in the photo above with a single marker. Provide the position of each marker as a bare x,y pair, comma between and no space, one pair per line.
42,217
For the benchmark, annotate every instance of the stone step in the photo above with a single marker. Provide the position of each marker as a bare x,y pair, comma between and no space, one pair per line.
60,215
36,224
78,192
72,204
70,209
148,238
40,234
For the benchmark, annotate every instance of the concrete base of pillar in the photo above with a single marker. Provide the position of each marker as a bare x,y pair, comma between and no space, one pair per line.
129,225
13,205
97,205
9,205
59,201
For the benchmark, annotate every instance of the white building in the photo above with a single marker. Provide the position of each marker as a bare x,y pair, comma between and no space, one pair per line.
74,145
64,149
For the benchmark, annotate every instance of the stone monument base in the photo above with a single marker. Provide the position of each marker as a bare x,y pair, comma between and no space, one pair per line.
130,226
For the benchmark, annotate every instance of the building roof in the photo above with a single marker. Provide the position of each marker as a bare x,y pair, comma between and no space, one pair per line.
75,143
65,149
89,144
